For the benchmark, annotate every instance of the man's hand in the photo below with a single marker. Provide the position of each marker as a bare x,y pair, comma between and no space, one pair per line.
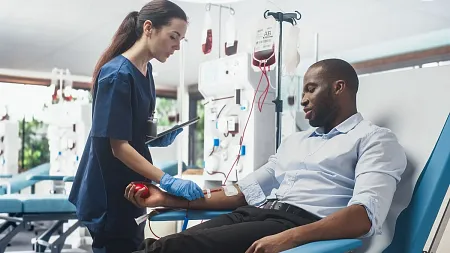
155,199
273,243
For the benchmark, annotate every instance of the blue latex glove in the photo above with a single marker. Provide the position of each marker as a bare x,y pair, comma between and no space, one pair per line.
166,140
180,187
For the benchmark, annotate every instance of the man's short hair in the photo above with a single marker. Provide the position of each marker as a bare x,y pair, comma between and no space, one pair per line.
337,69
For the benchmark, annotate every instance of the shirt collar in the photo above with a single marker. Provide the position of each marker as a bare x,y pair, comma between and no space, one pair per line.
342,128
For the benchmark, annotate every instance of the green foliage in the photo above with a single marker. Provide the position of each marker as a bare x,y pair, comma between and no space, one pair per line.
165,107
200,132
36,150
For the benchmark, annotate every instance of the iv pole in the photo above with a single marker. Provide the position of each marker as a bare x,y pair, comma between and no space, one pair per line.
280,18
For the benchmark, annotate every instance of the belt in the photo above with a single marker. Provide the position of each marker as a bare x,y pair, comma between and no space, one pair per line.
276,205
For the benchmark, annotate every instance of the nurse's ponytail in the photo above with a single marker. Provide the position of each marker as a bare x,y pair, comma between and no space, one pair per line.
123,39
159,12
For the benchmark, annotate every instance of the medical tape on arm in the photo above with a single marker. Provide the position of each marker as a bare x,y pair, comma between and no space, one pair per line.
230,190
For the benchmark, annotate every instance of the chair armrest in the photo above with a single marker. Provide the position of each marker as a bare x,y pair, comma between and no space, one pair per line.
180,214
69,179
6,176
331,246
44,177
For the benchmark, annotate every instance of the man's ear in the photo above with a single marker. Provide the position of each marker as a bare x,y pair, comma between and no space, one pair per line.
339,87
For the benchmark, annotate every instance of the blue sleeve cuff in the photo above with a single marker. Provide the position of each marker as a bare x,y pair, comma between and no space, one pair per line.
252,191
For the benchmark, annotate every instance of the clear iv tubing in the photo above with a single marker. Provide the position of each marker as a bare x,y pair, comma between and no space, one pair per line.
270,83
243,132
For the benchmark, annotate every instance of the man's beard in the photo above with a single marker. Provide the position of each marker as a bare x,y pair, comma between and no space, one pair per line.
325,113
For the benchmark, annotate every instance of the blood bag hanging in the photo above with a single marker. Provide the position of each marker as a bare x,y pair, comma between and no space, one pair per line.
291,56
207,33
265,44
68,83
54,84
231,43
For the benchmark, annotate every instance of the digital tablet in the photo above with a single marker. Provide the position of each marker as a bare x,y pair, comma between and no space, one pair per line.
174,128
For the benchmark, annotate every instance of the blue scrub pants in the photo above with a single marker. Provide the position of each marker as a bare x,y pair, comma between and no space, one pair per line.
105,243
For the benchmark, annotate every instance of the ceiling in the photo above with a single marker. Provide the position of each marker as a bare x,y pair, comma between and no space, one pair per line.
42,34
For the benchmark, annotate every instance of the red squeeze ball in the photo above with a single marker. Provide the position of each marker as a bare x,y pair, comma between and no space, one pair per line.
145,193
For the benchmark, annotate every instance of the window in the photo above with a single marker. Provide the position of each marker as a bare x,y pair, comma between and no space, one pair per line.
199,135
196,131
166,111
26,104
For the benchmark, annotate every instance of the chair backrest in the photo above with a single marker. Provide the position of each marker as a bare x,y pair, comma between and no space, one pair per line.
19,182
416,221
415,105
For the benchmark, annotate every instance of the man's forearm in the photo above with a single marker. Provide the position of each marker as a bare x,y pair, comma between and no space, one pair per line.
218,201
350,222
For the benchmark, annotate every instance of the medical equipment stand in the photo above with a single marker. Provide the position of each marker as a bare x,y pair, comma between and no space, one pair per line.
220,6
281,17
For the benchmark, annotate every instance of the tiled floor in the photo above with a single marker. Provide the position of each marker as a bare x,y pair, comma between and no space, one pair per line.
22,243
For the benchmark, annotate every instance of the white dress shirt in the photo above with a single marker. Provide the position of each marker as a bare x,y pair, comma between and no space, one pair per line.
356,163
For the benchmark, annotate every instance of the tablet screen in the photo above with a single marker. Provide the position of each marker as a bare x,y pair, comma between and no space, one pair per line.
187,123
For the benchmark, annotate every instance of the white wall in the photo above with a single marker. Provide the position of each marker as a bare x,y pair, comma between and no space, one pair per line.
414,104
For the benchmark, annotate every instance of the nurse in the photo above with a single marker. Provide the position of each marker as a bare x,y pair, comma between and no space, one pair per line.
115,152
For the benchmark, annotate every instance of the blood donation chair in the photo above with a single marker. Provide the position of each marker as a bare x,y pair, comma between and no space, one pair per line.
423,129
20,209
14,183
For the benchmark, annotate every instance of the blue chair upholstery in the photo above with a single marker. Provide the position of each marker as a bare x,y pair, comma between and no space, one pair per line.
331,246
10,204
415,222
45,177
192,215
48,203
21,181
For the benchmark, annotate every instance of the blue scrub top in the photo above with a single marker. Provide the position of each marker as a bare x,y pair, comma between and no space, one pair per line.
122,103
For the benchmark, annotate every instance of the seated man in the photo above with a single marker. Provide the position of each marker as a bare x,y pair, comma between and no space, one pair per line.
332,182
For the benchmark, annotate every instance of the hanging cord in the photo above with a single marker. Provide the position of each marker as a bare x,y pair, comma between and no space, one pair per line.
150,227
243,132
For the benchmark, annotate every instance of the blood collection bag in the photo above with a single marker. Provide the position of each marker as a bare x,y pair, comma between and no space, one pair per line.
54,85
207,34
68,83
264,47
231,42
291,56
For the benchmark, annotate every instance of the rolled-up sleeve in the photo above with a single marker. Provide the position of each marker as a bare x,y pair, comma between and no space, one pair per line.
258,185
381,163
